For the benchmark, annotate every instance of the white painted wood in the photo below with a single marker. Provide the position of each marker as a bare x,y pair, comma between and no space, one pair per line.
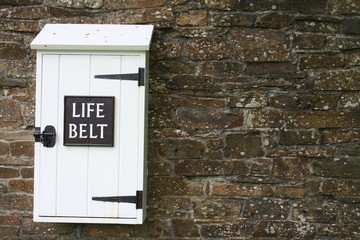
128,135
104,161
78,173
47,168
72,161
94,37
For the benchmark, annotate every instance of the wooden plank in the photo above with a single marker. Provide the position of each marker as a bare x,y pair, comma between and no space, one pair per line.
73,161
104,161
128,135
48,110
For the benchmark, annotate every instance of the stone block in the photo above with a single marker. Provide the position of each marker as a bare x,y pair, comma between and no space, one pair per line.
289,192
210,168
243,145
249,99
340,7
173,186
33,12
266,209
181,149
228,230
284,229
314,62
350,100
270,68
125,4
344,168
340,136
315,211
290,167
318,25
308,41
193,18
185,228
299,137
20,185
245,189
349,213
221,5
265,118
12,51
217,209
106,230
22,148
19,25
225,19
341,187
208,119
8,172
271,46
165,50
274,20
16,201
207,49
222,68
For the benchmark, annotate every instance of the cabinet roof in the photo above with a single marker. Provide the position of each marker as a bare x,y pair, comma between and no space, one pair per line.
93,37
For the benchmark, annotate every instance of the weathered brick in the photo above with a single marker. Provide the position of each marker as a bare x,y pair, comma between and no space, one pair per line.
318,25
19,25
210,168
321,101
228,230
265,118
289,192
354,57
221,68
208,119
105,230
315,211
249,99
270,68
12,51
300,151
159,168
29,227
266,209
7,172
302,6
350,100
16,201
150,15
181,149
33,12
185,228
163,117
221,5
260,166
344,7
6,82
193,18
224,19
27,172
6,231
308,41
322,120
349,213
22,148
313,62
173,67
273,20
77,3
340,230
10,220
271,46
165,50
170,202
124,4
299,137
20,185
4,149
342,43
344,168
206,49
284,229
243,145
341,187
340,136
290,167
173,186
21,2
18,68
217,208
248,190
347,149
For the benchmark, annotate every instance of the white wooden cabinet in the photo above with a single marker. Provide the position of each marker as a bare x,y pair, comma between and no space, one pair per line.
85,181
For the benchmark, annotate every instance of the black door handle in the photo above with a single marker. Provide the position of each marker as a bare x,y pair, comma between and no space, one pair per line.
47,137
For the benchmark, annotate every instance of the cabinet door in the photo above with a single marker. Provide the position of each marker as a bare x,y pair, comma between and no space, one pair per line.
68,177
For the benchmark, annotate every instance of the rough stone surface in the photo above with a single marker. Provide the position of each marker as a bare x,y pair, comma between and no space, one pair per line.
253,118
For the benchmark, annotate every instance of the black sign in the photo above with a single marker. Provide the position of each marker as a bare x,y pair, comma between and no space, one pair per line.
89,121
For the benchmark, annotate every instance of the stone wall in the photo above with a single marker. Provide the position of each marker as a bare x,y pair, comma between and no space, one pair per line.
254,117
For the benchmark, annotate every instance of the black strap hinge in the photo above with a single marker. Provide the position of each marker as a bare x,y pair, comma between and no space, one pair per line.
124,199
140,76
